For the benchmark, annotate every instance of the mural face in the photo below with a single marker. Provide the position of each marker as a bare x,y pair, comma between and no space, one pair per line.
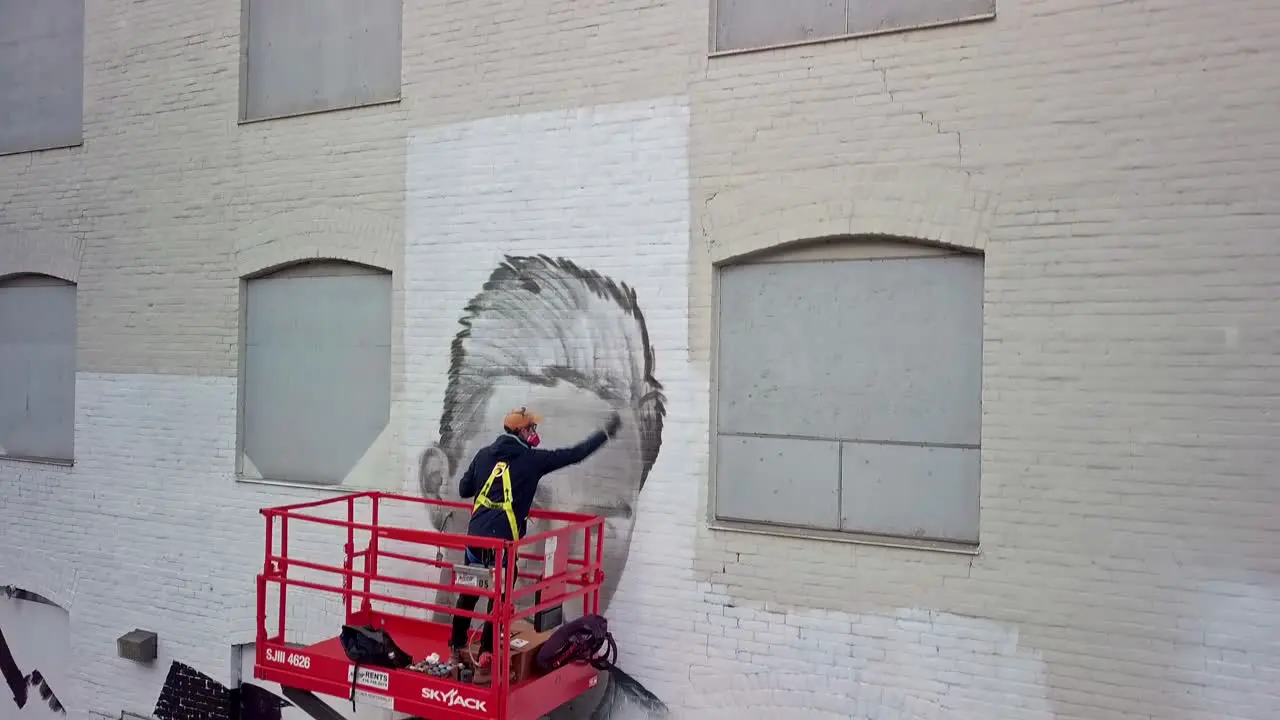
572,344
34,655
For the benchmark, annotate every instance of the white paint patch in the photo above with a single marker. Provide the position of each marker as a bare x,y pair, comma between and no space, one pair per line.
608,189
1240,627
912,664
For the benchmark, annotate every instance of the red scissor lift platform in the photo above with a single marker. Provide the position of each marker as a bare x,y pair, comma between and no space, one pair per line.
537,573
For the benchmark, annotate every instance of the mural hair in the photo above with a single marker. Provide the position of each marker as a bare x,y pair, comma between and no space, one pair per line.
544,321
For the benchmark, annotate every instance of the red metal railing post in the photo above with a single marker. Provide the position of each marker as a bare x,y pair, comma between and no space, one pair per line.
262,588
283,565
587,574
348,562
599,567
506,608
260,644
371,559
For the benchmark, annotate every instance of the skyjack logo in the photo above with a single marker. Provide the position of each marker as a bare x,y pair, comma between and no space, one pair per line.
452,699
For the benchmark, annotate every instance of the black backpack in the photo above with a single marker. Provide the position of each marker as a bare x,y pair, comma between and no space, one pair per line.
367,645
585,640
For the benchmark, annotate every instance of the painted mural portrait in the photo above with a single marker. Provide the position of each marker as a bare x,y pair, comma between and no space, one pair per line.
571,343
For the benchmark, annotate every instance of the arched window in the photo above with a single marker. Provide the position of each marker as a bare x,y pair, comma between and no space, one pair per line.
37,368
316,386
848,389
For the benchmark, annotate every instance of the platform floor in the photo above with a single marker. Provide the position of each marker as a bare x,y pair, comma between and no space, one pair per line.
531,698
419,638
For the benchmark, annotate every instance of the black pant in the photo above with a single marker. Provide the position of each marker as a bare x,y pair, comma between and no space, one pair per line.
462,624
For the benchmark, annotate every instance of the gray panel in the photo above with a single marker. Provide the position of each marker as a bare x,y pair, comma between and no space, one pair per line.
38,368
317,373
320,55
745,24
41,74
860,349
882,15
910,491
755,23
778,480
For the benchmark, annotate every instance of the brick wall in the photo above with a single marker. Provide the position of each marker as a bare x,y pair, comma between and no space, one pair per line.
1114,163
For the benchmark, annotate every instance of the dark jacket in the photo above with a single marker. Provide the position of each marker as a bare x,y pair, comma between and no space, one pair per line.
527,467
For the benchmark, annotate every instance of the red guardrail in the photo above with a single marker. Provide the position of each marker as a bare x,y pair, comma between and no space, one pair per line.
568,569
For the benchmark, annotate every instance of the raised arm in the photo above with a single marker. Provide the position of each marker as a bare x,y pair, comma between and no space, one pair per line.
552,460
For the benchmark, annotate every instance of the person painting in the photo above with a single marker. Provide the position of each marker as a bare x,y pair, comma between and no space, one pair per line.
549,333
503,478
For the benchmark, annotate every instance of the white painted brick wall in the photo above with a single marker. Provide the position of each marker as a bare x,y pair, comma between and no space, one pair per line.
605,186
1117,160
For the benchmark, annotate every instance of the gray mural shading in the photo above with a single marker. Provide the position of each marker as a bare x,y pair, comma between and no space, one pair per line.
571,344
189,694
24,686
13,592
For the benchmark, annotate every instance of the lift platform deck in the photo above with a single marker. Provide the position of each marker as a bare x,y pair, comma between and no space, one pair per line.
534,575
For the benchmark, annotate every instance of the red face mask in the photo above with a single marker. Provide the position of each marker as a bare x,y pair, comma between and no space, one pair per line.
530,436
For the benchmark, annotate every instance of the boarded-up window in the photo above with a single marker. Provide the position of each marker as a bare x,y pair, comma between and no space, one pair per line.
849,394
746,24
41,74
310,56
37,367
317,370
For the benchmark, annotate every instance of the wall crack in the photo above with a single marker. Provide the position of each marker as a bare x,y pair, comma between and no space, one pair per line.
875,65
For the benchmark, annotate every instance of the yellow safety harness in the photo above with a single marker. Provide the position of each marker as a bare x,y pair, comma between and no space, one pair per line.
482,498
